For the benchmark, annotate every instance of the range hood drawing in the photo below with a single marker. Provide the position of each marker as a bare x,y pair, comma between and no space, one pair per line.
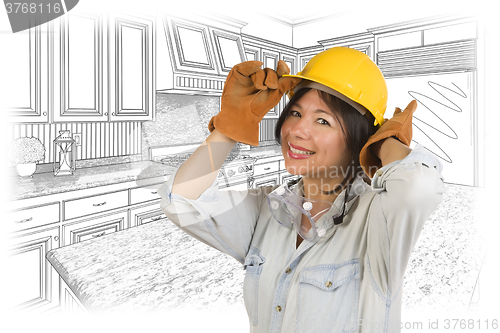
195,58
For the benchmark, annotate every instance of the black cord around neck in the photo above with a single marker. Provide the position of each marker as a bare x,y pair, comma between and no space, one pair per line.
339,219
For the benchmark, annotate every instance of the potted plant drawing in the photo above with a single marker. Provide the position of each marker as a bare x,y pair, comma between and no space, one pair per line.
24,153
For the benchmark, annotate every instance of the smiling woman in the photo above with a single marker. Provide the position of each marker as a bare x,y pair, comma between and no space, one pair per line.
336,131
328,252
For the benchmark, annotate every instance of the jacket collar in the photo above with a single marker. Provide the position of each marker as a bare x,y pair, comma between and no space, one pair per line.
358,188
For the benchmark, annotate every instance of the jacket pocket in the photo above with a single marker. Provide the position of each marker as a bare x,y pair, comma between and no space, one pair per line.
253,267
328,298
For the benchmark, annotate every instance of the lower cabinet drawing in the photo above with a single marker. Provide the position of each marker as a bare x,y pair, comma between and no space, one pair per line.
271,180
94,226
142,214
30,281
70,304
40,224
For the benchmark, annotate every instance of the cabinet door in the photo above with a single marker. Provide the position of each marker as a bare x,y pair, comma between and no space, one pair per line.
304,59
80,73
190,46
229,49
291,61
146,214
366,48
270,60
31,283
252,53
132,57
271,180
286,177
93,227
23,64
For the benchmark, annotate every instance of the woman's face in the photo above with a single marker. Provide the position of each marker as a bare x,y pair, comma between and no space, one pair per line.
311,126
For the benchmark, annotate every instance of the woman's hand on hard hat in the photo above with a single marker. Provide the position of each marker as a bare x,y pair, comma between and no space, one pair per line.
399,126
249,93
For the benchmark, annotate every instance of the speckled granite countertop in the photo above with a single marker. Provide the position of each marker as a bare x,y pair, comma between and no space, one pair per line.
45,183
156,266
152,267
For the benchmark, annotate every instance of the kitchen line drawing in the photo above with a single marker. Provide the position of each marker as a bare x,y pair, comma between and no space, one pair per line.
136,92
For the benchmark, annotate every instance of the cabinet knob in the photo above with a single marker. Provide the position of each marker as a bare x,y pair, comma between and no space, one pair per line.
25,220
45,113
56,238
105,113
99,234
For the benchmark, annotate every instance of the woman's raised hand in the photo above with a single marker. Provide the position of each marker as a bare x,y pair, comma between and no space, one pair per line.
399,126
249,93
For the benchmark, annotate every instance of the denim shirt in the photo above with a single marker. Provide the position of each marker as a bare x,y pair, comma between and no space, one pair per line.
348,280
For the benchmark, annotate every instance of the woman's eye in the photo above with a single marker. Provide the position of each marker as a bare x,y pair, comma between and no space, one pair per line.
297,114
324,121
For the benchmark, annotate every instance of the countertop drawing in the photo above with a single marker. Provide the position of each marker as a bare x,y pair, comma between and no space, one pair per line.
45,183
152,267
156,266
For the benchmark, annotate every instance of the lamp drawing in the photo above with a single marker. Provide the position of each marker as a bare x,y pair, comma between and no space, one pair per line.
65,148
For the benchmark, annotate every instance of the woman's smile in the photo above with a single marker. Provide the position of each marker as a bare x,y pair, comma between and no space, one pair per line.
297,152
312,137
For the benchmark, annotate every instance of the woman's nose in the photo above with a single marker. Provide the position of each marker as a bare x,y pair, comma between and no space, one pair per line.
300,129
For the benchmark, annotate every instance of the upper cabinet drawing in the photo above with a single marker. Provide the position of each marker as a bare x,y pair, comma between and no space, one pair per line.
229,49
83,68
363,42
270,53
24,96
80,69
195,58
190,47
132,76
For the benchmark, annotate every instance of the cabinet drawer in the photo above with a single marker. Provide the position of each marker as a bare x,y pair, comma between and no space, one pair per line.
35,216
143,194
95,204
262,169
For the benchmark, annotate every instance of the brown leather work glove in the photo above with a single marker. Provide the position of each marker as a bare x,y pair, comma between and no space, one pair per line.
249,93
399,126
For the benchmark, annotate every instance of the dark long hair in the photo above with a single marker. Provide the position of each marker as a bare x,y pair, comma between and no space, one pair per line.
357,131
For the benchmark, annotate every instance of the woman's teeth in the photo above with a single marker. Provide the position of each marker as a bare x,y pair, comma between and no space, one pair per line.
296,151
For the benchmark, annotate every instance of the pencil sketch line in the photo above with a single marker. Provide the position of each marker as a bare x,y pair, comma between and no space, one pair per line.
425,100
435,86
447,159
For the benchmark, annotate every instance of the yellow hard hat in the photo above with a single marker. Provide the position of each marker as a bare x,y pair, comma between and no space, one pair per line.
350,73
